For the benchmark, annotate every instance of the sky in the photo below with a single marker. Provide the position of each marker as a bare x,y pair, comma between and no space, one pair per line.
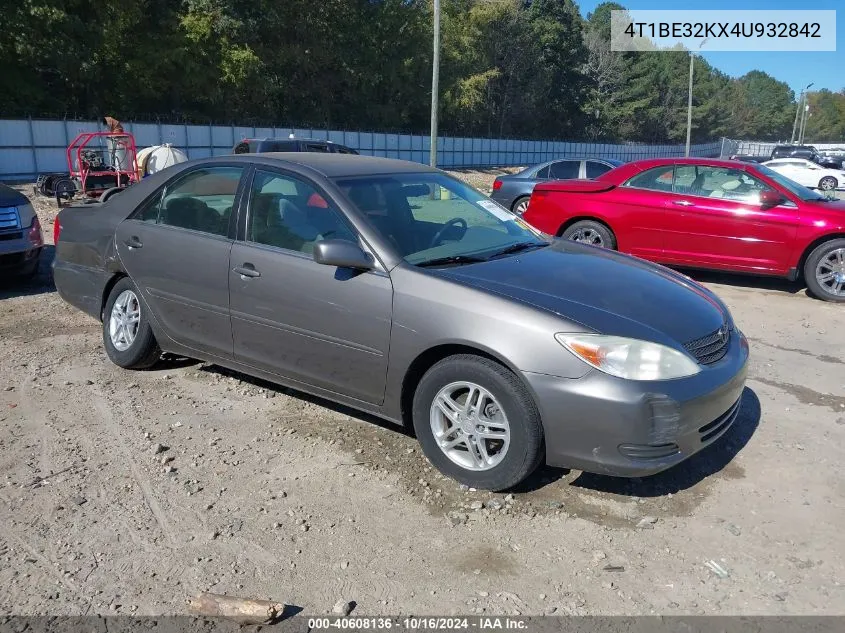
824,69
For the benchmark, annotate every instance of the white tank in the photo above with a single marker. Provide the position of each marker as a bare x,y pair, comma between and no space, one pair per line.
160,157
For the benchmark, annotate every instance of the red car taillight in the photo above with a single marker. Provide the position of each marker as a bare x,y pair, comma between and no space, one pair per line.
35,236
497,184
57,229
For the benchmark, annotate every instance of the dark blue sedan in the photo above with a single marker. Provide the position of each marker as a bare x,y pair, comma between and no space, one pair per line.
513,191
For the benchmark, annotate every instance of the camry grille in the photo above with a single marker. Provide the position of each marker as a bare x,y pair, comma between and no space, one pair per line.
711,348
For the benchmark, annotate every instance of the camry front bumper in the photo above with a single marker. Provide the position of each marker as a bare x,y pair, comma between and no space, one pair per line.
611,426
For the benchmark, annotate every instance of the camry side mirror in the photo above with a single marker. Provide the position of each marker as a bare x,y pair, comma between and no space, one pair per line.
770,199
343,254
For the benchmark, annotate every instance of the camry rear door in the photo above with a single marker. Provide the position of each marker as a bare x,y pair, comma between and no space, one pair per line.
176,247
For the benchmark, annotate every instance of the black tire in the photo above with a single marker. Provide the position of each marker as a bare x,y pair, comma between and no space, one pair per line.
828,183
588,228
518,202
144,351
526,449
816,287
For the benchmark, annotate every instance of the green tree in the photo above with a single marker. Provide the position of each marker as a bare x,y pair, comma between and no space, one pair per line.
827,121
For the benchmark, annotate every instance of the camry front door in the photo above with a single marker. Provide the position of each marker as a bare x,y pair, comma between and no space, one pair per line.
315,324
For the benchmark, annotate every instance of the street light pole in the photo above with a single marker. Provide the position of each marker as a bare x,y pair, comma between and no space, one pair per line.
435,84
689,103
689,97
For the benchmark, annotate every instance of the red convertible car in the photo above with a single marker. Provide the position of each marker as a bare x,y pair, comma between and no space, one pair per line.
701,213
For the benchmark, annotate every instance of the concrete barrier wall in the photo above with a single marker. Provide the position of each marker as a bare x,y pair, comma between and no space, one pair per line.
31,147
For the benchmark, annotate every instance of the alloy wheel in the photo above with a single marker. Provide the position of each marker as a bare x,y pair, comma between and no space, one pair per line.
830,272
587,236
124,320
470,426
827,184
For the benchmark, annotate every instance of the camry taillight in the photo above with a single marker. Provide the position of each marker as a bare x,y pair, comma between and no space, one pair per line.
57,229
497,184
35,236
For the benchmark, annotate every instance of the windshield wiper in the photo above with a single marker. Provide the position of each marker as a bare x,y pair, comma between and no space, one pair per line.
518,248
452,259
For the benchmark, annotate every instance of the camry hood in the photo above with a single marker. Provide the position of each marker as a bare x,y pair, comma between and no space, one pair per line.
602,290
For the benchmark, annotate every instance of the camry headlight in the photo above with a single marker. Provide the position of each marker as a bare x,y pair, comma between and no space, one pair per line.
628,357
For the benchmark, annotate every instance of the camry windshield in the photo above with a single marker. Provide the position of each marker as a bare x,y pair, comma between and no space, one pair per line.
790,185
433,219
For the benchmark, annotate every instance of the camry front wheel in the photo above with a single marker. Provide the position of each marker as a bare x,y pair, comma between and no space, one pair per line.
477,423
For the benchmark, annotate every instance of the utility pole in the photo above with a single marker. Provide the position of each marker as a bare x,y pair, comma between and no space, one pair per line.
689,97
798,110
804,117
435,84
797,114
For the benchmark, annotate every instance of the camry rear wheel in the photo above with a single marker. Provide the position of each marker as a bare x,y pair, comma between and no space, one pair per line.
127,335
824,271
477,423
590,232
828,183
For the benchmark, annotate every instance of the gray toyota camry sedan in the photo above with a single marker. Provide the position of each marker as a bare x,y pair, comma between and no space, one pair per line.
398,290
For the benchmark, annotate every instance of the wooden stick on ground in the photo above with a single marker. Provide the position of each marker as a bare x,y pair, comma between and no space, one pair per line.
242,610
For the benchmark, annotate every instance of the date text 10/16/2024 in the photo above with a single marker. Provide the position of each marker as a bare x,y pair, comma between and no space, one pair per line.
492,623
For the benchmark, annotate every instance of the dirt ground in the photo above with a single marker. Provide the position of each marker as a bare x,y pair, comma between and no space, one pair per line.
127,492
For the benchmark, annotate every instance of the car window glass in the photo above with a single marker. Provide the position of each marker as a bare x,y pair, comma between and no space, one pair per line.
429,216
202,200
344,150
594,169
317,147
657,179
437,204
543,173
564,169
149,211
717,182
290,213
281,146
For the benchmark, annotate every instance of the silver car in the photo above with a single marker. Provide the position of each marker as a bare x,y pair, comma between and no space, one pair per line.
398,290
21,240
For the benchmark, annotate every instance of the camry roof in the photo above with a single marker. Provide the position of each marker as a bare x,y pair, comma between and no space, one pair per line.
337,165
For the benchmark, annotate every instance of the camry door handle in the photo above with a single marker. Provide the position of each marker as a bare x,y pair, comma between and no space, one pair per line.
682,203
247,270
133,242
